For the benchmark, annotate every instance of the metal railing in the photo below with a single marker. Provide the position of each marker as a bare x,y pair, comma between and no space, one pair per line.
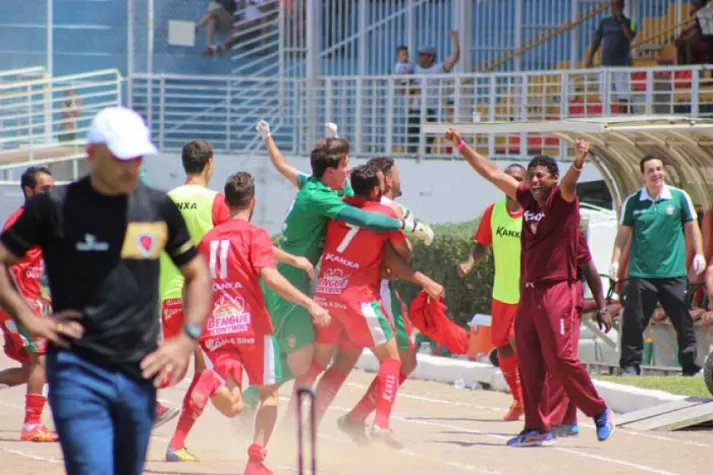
383,114
47,119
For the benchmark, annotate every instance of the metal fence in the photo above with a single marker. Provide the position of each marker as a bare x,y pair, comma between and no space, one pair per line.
299,38
47,119
382,114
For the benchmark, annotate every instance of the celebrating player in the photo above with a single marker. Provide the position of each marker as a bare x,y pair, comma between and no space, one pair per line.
318,200
349,286
21,346
500,227
202,209
396,310
549,240
562,412
239,333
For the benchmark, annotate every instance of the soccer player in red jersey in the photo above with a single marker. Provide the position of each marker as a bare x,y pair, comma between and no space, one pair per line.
562,412
239,333
19,344
349,286
549,236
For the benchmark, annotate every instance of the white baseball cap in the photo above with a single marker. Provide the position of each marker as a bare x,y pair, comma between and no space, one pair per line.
123,131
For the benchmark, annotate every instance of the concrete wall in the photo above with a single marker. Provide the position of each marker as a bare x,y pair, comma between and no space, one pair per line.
436,191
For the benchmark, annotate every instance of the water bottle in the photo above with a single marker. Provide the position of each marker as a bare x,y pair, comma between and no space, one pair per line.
425,348
459,384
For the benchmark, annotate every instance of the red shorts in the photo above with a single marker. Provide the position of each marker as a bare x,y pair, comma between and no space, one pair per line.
171,318
18,341
259,356
355,325
502,327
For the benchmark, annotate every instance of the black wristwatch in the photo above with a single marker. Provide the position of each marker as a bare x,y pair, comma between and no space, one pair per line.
193,331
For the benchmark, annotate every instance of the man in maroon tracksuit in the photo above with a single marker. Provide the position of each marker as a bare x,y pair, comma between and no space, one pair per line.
561,410
548,296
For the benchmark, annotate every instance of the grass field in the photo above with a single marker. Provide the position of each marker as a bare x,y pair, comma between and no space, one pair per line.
686,386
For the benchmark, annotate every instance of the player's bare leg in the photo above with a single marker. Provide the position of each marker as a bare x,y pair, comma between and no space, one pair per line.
507,359
265,420
306,369
333,379
11,377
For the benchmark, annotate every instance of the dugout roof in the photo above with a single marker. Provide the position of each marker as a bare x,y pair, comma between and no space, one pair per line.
619,142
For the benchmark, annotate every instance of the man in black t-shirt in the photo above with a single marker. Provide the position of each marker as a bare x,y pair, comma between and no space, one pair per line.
101,238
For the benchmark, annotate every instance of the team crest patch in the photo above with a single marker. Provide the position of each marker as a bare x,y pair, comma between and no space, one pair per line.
669,210
291,341
146,243
144,240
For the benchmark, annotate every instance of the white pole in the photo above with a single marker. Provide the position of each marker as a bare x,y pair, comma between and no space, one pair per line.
50,47
50,53
149,62
130,52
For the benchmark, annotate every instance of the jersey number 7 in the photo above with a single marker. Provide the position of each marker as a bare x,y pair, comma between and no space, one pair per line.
218,261
353,230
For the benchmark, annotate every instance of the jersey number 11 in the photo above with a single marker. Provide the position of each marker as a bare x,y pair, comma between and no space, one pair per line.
219,259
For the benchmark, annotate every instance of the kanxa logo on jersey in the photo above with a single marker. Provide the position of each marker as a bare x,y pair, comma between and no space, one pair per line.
186,205
332,282
329,257
502,231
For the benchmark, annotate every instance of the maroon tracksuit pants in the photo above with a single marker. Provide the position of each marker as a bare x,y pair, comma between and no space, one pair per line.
560,409
543,326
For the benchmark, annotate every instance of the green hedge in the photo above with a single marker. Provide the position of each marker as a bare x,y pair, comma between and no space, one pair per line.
464,297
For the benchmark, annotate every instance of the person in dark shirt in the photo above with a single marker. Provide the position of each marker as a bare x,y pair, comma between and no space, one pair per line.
550,235
614,35
101,238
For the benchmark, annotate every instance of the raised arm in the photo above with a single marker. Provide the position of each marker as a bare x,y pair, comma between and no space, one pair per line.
485,168
453,59
278,160
568,184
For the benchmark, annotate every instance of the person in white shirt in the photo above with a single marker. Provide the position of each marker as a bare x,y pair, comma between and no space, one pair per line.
427,65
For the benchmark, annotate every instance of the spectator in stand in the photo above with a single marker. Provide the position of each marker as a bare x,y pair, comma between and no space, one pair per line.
403,65
69,112
698,27
427,65
218,18
254,25
615,34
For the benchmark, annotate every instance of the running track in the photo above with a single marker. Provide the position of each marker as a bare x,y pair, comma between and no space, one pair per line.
446,430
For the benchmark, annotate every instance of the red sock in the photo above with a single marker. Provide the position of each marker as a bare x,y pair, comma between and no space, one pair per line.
388,387
367,403
257,453
203,386
327,389
508,366
34,405
305,381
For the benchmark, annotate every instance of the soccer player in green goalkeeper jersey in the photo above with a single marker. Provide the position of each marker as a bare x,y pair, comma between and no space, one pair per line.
318,200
